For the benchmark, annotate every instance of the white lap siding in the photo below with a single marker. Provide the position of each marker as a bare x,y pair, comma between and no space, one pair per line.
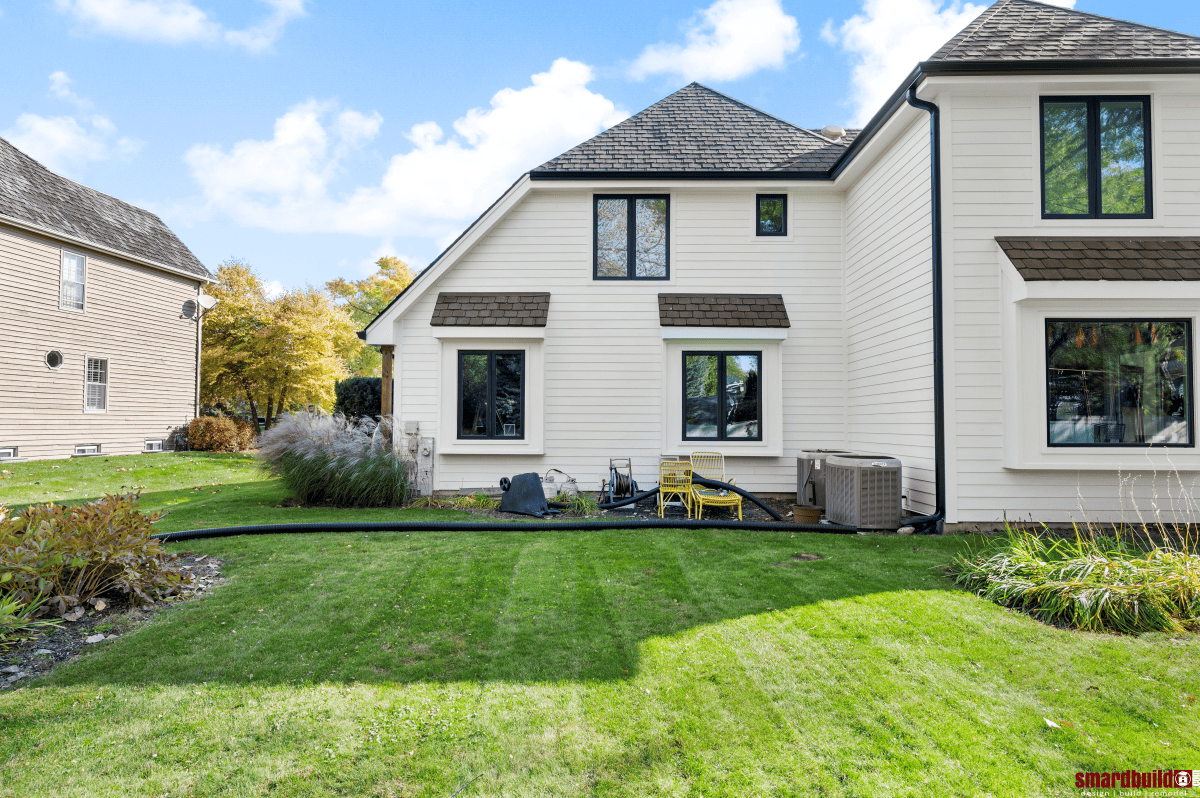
992,189
603,342
134,317
889,343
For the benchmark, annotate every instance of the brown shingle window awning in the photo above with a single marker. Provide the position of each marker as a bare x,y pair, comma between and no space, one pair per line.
722,310
478,309
1103,258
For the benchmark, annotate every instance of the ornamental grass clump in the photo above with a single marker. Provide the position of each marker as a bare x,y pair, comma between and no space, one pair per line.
335,461
1095,582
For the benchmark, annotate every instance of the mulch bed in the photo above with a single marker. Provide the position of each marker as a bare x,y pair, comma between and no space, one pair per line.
39,655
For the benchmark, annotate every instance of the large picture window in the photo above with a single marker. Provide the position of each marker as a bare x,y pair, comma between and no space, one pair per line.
491,395
1096,158
1119,382
722,399
631,238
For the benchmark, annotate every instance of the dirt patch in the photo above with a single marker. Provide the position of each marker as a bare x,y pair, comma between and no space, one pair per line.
800,558
39,655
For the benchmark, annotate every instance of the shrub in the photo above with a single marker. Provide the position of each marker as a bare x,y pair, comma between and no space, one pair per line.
335,460
1095,583
221,434
359,397
64,557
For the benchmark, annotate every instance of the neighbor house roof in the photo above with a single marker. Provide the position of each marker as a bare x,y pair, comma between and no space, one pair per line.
697,130
1023,30
471,309
722,310
30,194
1104,257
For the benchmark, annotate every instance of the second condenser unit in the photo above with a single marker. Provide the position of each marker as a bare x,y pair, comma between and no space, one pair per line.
810,476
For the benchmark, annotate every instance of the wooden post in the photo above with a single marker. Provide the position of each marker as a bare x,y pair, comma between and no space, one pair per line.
385,402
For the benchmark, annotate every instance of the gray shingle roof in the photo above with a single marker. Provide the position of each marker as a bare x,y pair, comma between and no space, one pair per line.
31,193
479,309
697,129
722,310
1023,30
1103,258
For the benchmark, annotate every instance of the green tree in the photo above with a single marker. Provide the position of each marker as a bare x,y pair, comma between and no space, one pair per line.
363,300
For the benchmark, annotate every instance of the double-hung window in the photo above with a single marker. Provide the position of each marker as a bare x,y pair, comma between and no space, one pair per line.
491,395
1119,382
1096,158
73,277
631,238
722,399
95,396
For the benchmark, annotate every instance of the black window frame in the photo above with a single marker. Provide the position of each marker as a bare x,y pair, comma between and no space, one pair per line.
1093,102
630,235
758,198
724,412
1191,410
491,395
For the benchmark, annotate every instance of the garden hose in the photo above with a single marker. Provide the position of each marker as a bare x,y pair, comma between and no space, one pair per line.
494,526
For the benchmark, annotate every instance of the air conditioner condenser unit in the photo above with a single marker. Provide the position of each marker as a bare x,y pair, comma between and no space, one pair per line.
864,491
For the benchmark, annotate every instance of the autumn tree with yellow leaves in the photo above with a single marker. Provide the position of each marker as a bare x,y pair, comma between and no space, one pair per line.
273,354
363,300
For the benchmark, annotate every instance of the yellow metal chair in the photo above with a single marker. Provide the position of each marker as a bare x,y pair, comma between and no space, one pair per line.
711,465
675,479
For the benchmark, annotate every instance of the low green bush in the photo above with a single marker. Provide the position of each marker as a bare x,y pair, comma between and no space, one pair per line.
334,460
359,397
1097,583
221,434
17,621
55,558
578,504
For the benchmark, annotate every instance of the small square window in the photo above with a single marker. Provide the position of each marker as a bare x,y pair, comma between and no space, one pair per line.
771,215
154,445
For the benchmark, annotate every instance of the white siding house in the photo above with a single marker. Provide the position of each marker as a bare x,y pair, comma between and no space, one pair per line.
1035,425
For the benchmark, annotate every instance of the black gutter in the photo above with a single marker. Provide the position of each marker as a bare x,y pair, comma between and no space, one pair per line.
938,518
1091,66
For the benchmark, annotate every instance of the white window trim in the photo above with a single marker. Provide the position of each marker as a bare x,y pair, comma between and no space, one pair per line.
62,257
770,343
162,445
648,285
448,442
1025,308
107,382
787,237
15,452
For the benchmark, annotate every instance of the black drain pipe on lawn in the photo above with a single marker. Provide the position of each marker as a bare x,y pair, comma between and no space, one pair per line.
935,521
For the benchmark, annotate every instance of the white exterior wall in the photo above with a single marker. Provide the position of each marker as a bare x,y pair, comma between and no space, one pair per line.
604,353
889,339
999,463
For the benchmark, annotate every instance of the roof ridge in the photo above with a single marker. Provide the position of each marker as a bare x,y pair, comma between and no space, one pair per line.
977,24
746,105
94,190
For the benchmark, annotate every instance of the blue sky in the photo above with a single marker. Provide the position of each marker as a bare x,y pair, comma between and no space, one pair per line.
309,136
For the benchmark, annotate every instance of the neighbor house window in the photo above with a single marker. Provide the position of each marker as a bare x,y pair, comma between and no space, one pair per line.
95,398
771,214
8,452
491,394
73,278
1096,157
155,445
1119,382
630,237
87,448
721,396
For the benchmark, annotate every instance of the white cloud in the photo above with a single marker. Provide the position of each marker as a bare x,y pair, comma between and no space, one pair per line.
273,289
178,21
287,182
890,37
65,145
728,40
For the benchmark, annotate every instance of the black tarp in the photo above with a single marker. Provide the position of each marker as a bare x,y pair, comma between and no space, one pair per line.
525,496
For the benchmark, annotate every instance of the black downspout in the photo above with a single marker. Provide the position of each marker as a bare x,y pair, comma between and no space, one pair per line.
938,518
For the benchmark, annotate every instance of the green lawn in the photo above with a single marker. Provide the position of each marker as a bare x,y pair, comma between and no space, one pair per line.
697,663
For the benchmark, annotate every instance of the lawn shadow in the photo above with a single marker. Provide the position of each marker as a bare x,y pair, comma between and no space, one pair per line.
494,606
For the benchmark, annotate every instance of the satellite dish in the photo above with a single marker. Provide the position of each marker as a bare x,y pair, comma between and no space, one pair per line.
207,302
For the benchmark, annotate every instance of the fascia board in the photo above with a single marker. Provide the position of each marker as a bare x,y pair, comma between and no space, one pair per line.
671,184
83,244
724,333
379,331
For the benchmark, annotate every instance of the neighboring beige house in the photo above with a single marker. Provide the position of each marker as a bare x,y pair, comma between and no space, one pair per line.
590,311
100,339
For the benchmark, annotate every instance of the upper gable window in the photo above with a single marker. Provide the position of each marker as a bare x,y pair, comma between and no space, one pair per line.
630,237
1096,158
770,215
73,278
